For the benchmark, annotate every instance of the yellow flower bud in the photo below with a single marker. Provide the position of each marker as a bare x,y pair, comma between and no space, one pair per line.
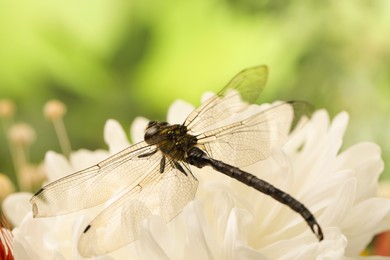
54,109
6,186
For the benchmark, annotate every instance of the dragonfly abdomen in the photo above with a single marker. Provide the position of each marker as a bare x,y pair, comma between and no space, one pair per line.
199,158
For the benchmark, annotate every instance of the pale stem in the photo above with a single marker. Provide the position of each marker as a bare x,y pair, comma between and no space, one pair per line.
62,136
20,153
6,122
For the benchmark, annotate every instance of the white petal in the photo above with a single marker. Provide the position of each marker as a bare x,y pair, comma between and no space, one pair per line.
178,112
114,136
151,247
207,95
82,158
305,247
365,159
341,204
16,206
248,253
23,251
237,229
137,129
30,236
56,166
369,217
200,243
339,123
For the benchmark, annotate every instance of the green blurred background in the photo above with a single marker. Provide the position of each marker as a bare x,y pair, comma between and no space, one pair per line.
121,59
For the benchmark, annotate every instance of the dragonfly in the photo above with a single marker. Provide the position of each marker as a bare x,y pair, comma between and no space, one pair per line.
226,132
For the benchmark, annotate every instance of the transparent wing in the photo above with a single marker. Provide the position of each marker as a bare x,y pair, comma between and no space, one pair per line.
164,194
245,86
96,184
245,142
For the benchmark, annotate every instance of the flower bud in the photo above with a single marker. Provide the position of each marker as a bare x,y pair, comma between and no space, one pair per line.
54,109
7,108
6,186
21,134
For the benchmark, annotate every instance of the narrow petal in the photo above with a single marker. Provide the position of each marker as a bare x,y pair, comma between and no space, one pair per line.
150,248
178,111
199,244
114,136
16,206
56,166
238,225
304,247
137,129
366,219
365,159
339,208
82,158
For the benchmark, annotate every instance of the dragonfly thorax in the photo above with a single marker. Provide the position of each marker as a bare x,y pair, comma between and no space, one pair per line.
172,140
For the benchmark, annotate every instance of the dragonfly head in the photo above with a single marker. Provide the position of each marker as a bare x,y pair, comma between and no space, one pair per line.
154,132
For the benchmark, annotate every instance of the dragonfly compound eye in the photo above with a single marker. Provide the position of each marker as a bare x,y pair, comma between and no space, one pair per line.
150,133
150,124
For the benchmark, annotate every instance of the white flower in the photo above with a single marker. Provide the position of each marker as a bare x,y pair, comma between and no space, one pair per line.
231,221
228,220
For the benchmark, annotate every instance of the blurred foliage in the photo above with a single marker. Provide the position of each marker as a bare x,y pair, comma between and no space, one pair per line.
121,59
